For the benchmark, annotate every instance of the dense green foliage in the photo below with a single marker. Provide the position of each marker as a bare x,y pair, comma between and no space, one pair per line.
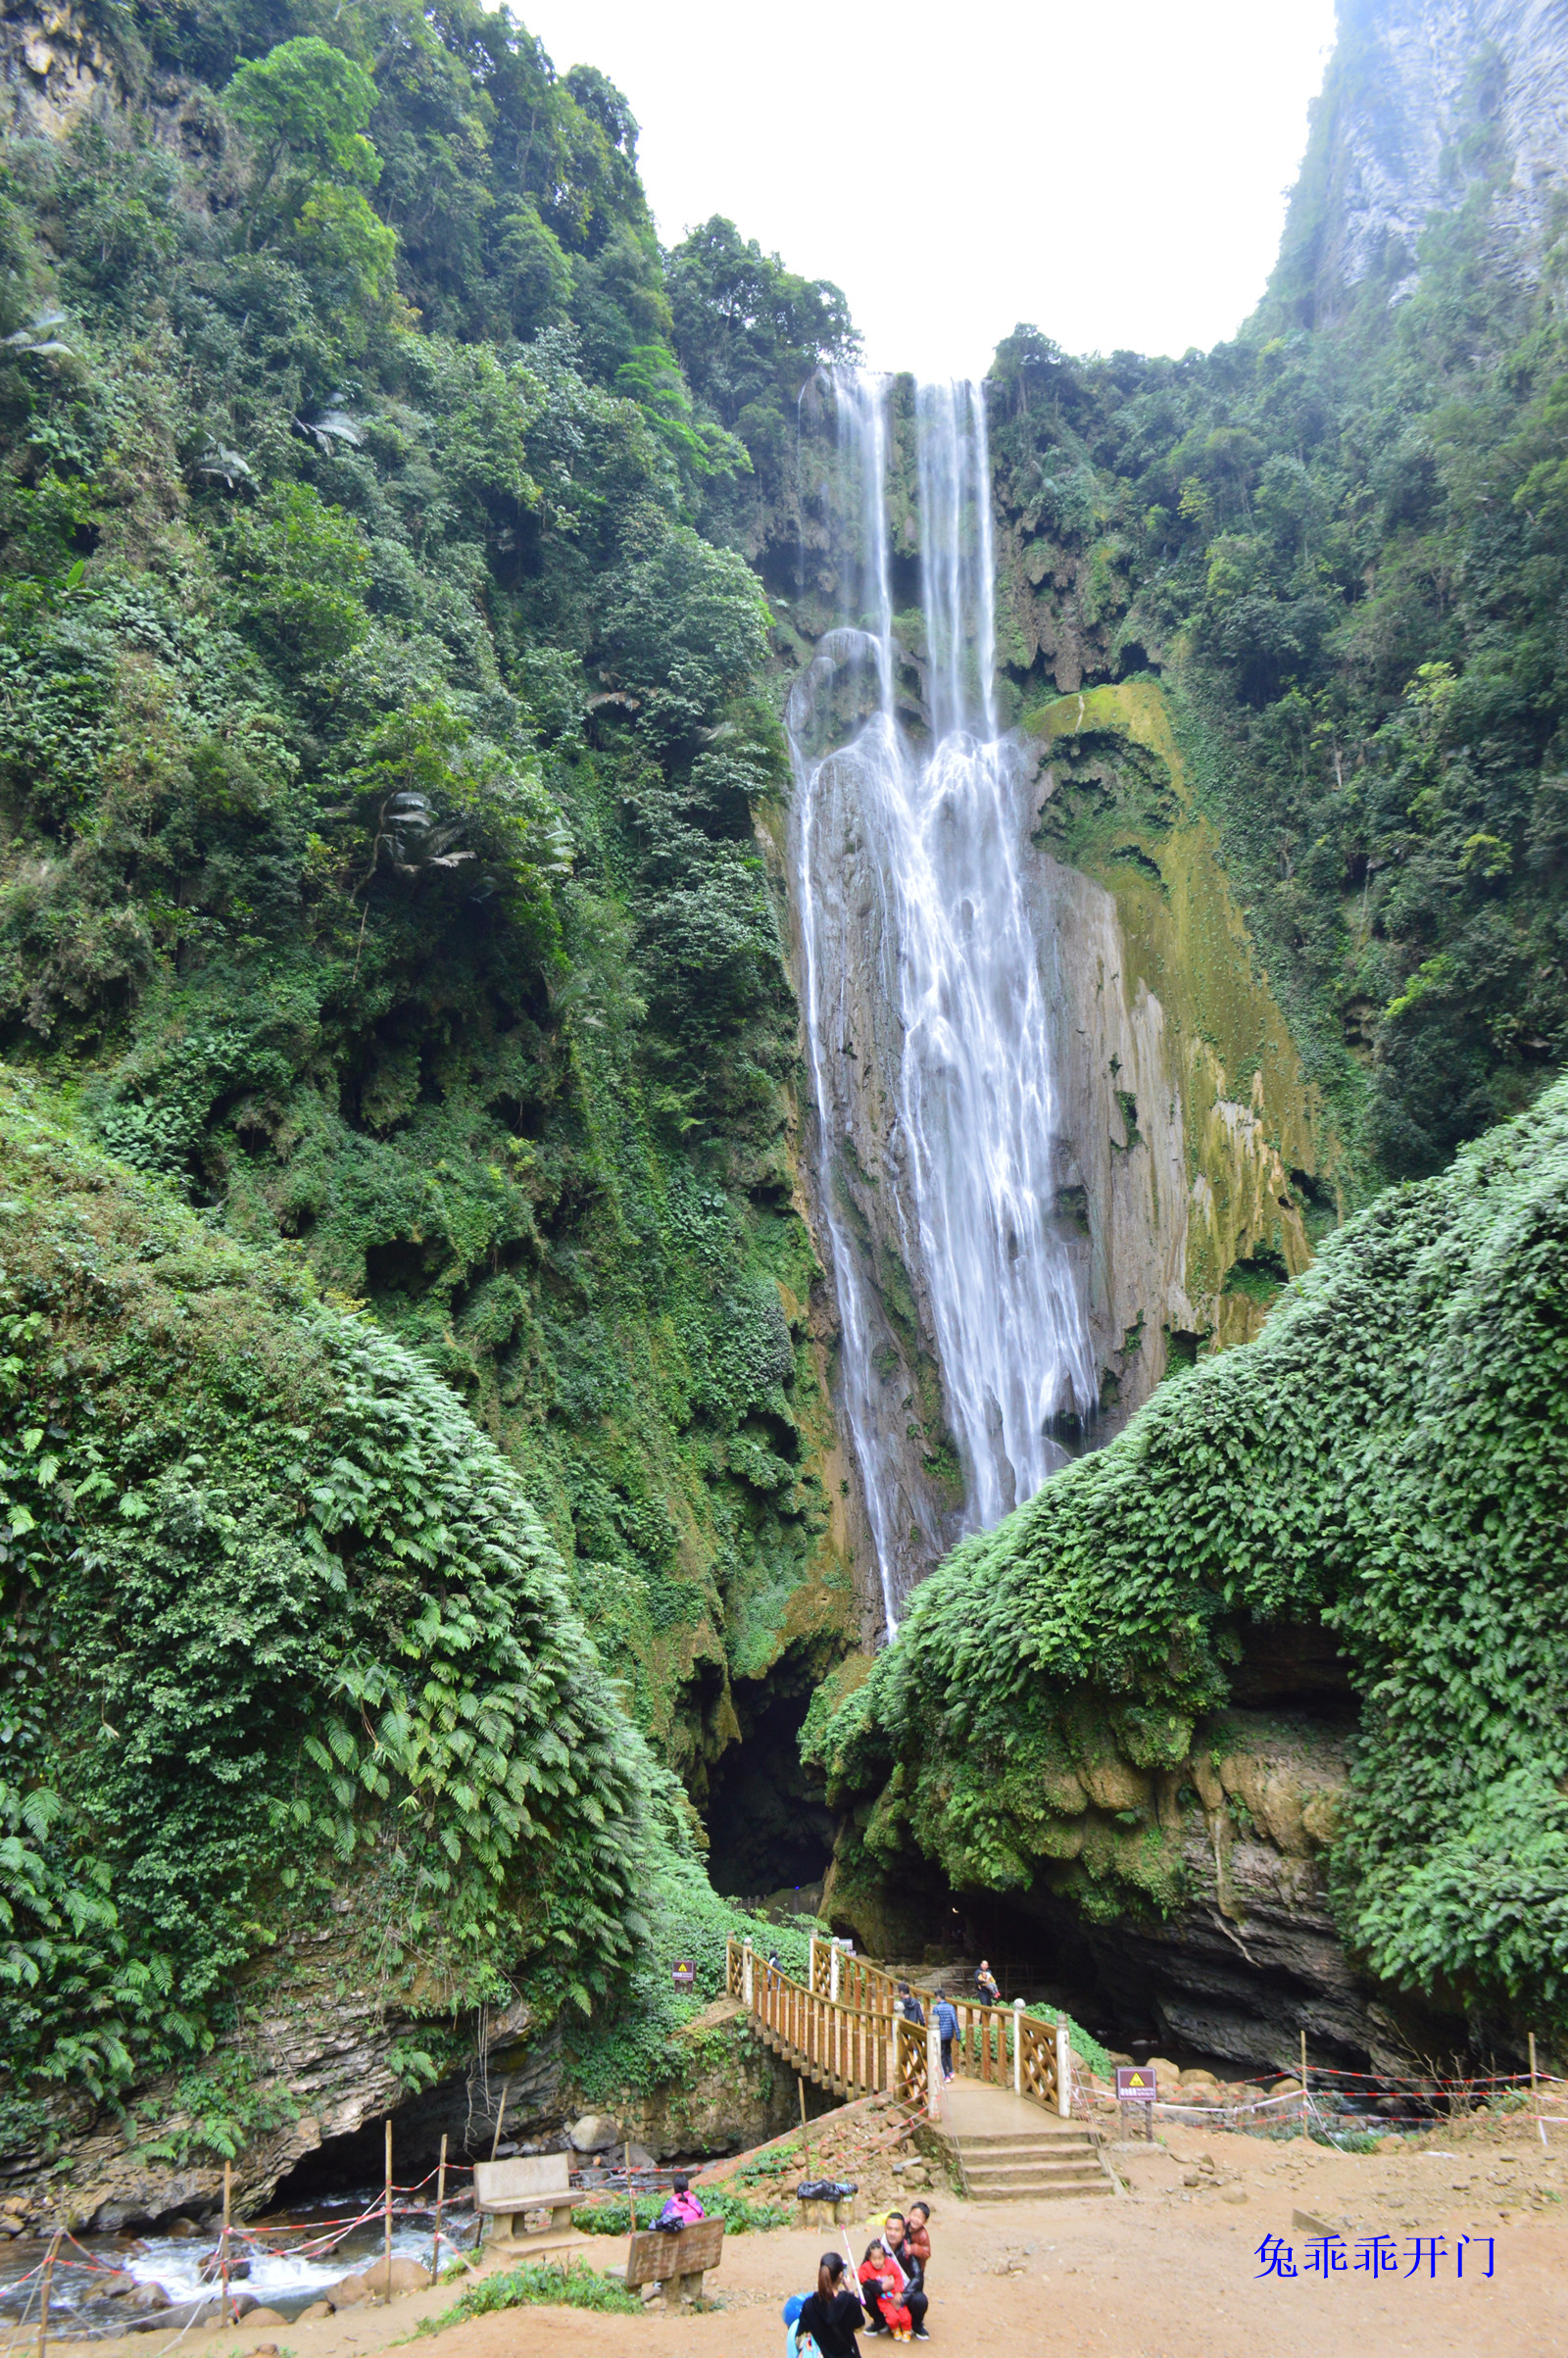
381,746
283,1630
611,2214
279,1622
1391,1455
1348,544
638,2044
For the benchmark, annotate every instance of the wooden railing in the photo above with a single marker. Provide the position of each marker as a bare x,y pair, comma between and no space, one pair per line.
842,2032
853,2050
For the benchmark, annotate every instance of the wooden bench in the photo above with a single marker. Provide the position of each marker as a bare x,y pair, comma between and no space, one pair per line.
530,2182
677,2262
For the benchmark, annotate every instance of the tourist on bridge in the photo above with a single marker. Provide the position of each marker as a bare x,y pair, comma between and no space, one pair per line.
985,1981
833,2314
944,2014
909,2006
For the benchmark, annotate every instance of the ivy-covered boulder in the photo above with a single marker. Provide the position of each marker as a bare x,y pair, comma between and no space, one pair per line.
1386,1462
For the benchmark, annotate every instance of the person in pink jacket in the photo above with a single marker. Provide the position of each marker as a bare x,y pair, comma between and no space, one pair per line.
683,2208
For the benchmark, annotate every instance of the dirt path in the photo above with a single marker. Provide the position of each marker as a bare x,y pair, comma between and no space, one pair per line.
1168,2270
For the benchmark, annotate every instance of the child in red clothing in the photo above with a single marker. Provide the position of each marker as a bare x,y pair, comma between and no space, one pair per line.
883,2280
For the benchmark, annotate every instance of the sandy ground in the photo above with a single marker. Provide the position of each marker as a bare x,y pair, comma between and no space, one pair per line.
1168,2269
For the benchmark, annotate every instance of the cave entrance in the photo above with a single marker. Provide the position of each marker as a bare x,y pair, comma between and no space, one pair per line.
770,1830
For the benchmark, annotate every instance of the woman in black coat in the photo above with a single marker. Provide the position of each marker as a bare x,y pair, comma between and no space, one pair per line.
833,2314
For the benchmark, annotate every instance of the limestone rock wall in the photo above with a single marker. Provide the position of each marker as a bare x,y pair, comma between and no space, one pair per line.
1199,1146
1427,105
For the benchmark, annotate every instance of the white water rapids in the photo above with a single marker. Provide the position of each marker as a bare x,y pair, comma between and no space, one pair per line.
910,842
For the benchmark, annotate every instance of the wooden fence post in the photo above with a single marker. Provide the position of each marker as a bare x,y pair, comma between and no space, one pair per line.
835,1966
1306,2108
222,2249
746,1971
1064,2071
933,2067
43,2297
386,2238
440,2204
1017,2046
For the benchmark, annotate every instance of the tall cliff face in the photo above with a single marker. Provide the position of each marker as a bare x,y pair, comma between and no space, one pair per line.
1179,1157
1283,624
1429,106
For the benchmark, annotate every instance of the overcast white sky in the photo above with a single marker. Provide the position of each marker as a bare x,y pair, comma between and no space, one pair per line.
1114,174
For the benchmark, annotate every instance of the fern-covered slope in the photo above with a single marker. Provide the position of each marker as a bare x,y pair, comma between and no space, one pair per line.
1390,1458
380,745
285,1627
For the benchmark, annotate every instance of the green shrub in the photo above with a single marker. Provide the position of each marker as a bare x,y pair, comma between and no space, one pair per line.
611,2214
539,2285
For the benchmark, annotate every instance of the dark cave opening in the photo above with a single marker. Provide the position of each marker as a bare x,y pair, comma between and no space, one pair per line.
463,2107
769,1829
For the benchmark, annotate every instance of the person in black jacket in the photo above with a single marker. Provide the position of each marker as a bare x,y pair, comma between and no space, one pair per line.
833,2315
896,2236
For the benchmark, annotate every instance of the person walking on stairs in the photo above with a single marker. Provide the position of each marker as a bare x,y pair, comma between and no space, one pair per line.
945,2015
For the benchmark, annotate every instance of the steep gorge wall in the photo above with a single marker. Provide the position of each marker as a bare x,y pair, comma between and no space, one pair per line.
1304,1614
1201,1145
1427,106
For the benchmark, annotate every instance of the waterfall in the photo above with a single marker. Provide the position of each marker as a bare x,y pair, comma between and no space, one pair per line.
926,991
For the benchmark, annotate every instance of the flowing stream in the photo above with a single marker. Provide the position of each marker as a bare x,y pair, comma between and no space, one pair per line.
928,997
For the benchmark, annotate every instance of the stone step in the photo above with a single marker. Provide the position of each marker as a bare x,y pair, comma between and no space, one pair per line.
1055,2190
1032,2141
1033,2173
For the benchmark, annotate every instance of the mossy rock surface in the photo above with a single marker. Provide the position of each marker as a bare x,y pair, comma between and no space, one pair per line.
1387,1461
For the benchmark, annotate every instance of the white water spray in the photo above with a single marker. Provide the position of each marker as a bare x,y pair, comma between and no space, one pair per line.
926,1001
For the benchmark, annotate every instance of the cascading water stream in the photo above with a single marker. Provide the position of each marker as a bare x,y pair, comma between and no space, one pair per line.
928,1022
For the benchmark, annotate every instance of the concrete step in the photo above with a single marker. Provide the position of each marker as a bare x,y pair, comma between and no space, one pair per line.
1052,2140
1031,2169
1055,2192
1034,2175
1002,2172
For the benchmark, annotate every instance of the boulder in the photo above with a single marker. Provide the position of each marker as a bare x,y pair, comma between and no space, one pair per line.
147,2299
593,2132
182,2227
314,2315
113,2287
266,2317
347,2291
408,2276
